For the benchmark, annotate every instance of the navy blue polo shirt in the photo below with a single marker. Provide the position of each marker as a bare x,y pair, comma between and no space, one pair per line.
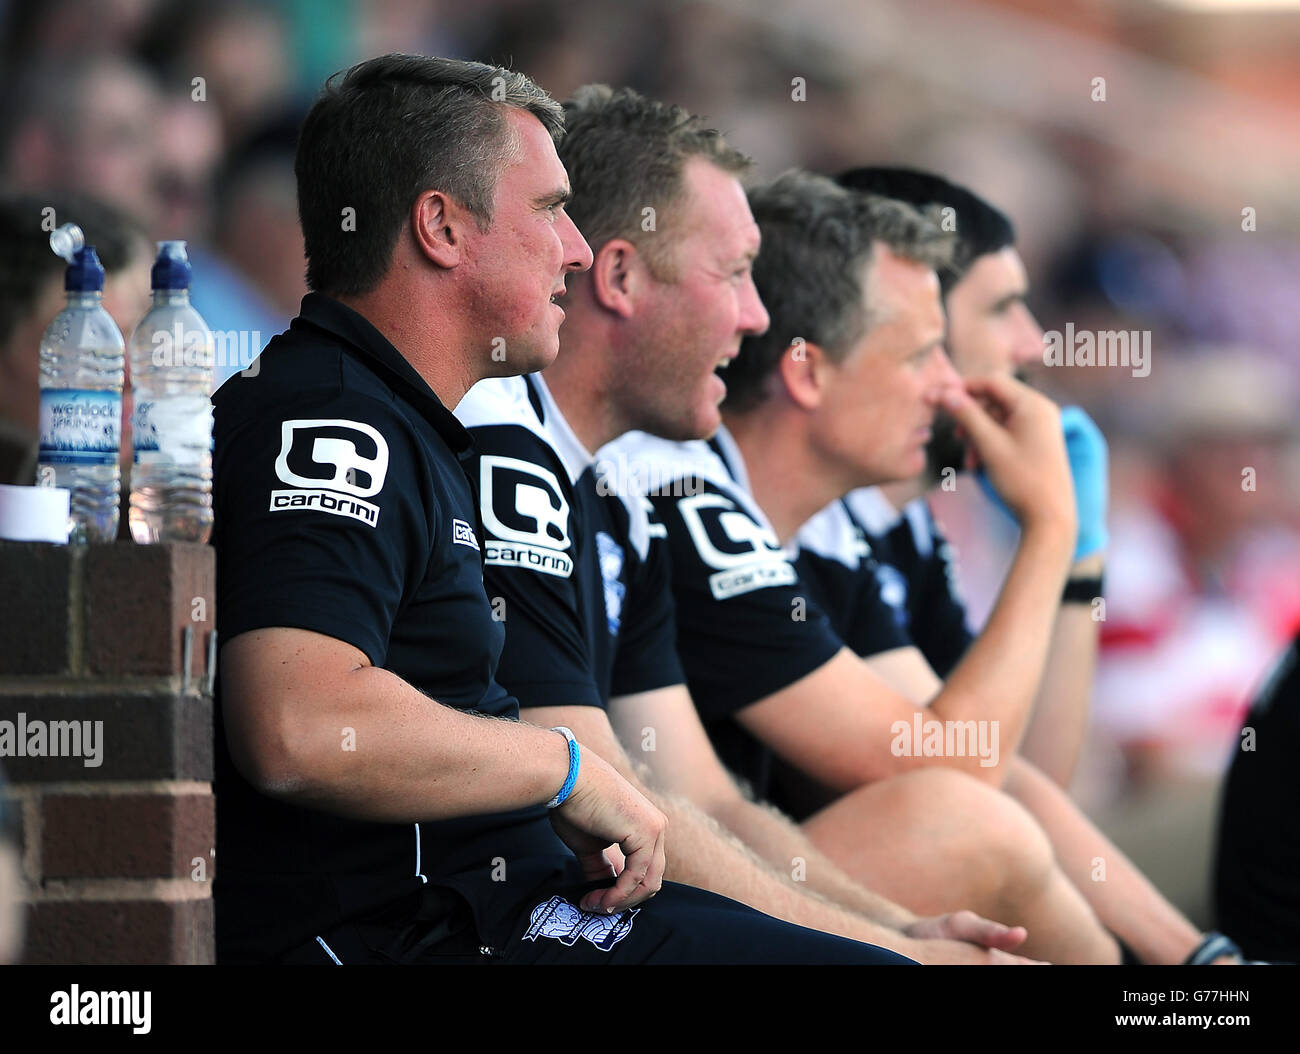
747,625
914,565
838,563
583,595
342,506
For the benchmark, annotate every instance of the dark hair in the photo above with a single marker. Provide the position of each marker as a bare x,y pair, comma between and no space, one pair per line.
979,227
625,153
385,131
818,242
26,262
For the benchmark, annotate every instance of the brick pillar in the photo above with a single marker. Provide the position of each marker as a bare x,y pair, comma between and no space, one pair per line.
104,679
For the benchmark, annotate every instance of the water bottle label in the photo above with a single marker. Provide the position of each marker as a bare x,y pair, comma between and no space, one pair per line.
176,430
144,433
80,427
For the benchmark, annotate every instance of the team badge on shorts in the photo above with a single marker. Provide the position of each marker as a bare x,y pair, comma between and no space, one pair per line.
564,922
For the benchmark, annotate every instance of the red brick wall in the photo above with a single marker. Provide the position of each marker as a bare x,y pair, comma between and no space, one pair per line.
118,859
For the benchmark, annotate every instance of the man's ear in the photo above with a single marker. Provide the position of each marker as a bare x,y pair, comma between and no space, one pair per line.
804,371
617,275
438,225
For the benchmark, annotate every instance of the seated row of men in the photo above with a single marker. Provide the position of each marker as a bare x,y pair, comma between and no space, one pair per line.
449,527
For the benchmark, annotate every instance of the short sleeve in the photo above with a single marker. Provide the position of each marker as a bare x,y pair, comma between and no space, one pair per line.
873,625
853,598
938,615
746,626
322,515
531,571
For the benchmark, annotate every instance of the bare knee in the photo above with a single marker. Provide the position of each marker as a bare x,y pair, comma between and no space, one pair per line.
991,837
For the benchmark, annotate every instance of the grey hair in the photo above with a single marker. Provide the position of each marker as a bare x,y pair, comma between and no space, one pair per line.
818,244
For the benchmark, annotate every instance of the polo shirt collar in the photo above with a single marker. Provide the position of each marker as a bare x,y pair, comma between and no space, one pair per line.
365,342
575,457
727,451
873,510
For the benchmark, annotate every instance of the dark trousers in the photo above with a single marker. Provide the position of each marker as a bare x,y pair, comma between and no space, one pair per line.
680,924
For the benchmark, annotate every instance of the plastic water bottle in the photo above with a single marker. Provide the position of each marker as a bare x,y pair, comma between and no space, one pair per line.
81,362
171,376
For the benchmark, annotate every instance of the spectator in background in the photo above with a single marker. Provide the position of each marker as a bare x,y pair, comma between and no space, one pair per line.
241,49
104,125
258,230
241,54
73,28
189,150
86,126
1205,572
250,283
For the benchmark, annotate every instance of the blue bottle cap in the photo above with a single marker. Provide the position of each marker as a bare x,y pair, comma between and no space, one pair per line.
171,270
85,274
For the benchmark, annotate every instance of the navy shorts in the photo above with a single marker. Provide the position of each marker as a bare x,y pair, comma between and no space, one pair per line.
680,924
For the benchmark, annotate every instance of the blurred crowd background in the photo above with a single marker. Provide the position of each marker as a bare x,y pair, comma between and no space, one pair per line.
1157,199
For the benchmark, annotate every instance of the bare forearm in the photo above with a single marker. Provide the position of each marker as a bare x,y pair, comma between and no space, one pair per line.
1123,898
1001,673
785,848
1060,718
701,853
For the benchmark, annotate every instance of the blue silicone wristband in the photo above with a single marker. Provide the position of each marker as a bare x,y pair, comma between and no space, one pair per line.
575,761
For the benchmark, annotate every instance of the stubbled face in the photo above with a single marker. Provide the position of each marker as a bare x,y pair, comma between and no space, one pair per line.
991,331
879,402
518,267
688,328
